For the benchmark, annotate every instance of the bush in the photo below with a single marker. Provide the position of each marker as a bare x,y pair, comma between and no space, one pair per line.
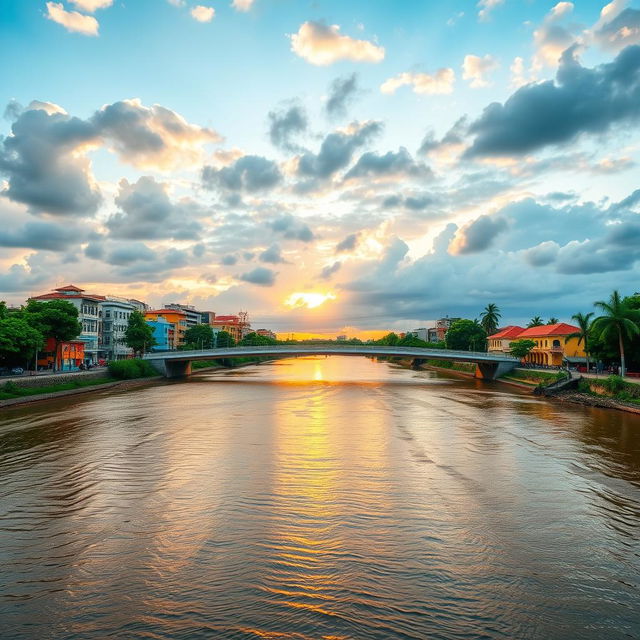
613,384
128,369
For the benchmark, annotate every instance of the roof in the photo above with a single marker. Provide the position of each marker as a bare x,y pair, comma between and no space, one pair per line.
545,330
69,287
56,295
226,319
165,311
512,331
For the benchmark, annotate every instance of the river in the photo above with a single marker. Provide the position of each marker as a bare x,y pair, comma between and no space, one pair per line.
319,498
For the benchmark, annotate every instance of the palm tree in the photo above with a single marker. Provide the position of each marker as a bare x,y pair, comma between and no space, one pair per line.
536,321
583,321
617,318
553,320
489,318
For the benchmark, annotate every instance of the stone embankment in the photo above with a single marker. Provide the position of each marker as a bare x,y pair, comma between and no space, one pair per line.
29,382
590,400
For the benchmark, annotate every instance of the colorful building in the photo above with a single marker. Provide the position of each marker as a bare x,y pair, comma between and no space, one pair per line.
88,306
238,326
176,317
499,342
269,334
64,356
552,349
164,334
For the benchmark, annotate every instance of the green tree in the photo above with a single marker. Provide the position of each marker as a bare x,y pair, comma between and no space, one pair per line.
56,319
490,318
200,336
19,341
4,312
536,321
521,348
224,340
255,340
139,334
466,335
584,323
390,340
619,319
410,340
553,320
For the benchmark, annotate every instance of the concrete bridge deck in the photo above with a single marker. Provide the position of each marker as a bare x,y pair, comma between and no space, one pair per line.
175,364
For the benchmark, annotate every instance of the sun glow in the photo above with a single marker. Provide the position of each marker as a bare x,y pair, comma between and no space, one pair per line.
300,300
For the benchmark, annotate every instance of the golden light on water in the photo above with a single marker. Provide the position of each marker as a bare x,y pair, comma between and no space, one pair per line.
308,300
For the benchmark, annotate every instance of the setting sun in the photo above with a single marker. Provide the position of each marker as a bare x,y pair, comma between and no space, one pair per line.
307,300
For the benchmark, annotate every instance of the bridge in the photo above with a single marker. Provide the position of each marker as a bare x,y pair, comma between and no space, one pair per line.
176,364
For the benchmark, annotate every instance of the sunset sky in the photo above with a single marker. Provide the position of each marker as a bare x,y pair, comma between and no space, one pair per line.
370,164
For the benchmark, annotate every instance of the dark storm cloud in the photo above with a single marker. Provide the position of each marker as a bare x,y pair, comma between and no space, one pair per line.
341,94
42,170
41,235
261,276
147,213
374,165
478,235
336,151
581,100
348,244
248,174
284,125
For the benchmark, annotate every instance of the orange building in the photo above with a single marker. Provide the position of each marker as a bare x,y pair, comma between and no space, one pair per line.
176,317
65,356
238,326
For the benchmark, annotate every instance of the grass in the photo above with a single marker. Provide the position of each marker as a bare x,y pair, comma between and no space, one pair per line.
534,378
11,390
612,387
465,367
131,368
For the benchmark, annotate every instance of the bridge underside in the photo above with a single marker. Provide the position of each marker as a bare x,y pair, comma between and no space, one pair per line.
171,368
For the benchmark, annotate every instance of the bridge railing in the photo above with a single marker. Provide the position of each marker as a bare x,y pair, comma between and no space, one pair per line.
359,349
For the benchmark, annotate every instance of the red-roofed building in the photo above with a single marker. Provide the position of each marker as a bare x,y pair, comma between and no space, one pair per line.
88,305
238,326
552,346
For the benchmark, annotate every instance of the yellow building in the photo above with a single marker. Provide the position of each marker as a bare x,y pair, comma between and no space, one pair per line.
176,317
551,348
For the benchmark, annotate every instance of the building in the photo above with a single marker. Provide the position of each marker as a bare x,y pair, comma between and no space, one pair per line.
192,317
114,319
207,317
176,317
442,326
88,306
238,326
552,349
163,333
341,338
421,334
64,356
269,334
499,342
432,335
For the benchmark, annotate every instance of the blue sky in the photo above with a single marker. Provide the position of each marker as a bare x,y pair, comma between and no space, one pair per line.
411,199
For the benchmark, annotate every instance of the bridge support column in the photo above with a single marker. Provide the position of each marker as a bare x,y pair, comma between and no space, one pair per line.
173,368
492,370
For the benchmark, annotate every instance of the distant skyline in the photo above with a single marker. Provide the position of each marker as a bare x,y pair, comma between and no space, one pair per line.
331,167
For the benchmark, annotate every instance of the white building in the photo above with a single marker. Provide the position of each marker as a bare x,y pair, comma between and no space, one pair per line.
114,319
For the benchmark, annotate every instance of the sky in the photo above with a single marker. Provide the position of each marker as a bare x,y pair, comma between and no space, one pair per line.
330,167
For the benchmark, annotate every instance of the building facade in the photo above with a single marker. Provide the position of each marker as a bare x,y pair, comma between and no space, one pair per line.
114,319
163,333
88,306
63,356
499,342
176,317
237,326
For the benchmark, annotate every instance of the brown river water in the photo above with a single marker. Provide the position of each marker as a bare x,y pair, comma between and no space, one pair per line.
319,498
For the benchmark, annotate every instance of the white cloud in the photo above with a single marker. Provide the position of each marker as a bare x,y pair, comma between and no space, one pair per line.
92,5
485,7
551,38
242,5
202,13
475,69
72,20
323,45
441,82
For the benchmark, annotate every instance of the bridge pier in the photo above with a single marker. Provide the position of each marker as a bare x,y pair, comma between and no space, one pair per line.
492,370
173,368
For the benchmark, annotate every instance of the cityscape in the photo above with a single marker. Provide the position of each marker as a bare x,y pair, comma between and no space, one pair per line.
320,320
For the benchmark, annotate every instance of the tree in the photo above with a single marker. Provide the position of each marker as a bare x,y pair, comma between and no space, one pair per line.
490,318
56,319
255,340
521,348
390,340
200,336
553,320
466,335
224,339
139,334
618,319
536,321
584,322
19,341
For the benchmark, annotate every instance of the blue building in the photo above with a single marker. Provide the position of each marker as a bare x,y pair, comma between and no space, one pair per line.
163,332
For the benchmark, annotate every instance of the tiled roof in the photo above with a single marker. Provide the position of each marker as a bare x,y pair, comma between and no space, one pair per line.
560,329
69,287
511,331
165,311
55,295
